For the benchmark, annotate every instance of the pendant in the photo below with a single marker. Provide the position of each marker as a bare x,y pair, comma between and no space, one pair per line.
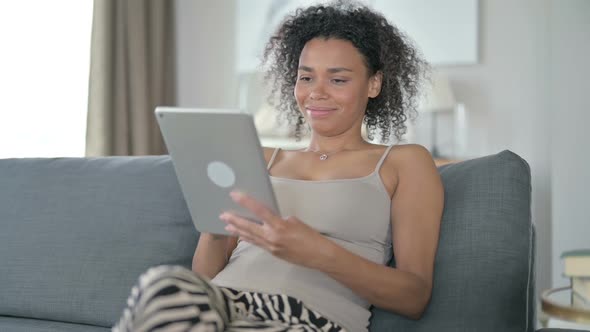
323,156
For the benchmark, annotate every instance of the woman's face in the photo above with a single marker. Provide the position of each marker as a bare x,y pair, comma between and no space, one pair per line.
333,86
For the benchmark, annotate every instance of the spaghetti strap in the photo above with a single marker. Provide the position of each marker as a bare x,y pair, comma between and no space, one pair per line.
272,158
383,158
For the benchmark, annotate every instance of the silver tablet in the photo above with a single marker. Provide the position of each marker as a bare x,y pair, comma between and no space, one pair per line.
215,151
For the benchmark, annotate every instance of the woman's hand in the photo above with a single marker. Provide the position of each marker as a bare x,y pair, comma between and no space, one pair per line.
289,239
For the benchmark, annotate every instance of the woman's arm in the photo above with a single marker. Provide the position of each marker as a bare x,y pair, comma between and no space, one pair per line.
212,253
416,212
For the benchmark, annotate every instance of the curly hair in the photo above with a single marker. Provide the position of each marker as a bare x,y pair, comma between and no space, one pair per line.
383,47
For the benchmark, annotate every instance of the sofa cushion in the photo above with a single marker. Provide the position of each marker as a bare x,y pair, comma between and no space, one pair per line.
14,324
483,279
77,233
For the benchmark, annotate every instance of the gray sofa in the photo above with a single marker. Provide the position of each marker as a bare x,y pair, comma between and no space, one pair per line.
77,232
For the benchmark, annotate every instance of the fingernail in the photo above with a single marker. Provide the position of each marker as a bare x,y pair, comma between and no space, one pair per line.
223,216
236,194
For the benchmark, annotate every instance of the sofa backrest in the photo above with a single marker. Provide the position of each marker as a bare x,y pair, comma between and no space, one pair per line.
484,279
77,233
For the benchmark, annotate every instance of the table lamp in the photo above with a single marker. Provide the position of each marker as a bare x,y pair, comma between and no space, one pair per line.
437,98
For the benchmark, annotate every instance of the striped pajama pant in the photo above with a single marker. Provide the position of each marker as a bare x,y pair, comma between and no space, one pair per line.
172,298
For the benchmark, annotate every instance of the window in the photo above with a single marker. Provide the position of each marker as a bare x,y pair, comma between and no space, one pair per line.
44,68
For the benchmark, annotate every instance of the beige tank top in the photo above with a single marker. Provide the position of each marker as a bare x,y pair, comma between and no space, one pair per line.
354,213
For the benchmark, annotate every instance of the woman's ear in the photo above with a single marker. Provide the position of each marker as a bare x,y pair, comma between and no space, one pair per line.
375,82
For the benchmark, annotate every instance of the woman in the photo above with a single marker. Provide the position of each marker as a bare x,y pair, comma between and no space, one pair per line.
350,204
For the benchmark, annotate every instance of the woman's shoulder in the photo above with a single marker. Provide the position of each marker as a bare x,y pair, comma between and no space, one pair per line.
402,152
268,152
407,161
411,150
409,156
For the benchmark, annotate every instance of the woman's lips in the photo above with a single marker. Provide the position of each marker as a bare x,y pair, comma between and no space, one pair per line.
319,112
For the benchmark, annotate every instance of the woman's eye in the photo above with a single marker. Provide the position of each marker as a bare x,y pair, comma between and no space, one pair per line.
305,78
339,81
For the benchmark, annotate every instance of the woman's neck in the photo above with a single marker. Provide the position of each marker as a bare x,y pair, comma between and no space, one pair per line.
335,144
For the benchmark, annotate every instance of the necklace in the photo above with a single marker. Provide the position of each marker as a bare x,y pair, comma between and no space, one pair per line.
324,156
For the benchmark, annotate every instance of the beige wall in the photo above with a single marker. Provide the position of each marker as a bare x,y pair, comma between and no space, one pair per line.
569,93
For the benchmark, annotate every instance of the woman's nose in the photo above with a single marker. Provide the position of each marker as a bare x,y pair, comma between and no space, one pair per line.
318,92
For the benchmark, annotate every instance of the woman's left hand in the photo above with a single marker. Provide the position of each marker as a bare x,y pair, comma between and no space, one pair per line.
289,239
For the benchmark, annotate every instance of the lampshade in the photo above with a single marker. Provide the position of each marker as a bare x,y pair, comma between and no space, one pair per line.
438,96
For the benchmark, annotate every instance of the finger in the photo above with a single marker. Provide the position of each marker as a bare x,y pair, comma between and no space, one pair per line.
245,237
259,209
232,230
243,226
